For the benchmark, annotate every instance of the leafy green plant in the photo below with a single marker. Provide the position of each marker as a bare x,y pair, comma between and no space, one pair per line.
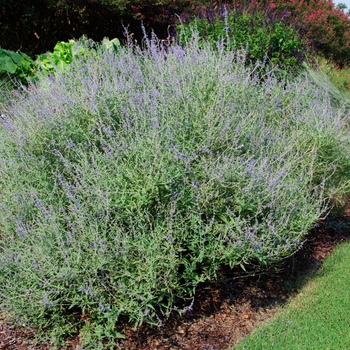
265,38
64,53
17,64
22,67
60,58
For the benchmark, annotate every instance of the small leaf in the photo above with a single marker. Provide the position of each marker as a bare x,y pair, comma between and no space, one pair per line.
242,266
119,335
7,65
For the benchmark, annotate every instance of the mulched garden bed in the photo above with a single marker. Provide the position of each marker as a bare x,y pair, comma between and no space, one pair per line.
223,312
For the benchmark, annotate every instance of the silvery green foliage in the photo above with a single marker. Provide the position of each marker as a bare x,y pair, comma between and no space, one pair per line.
127,180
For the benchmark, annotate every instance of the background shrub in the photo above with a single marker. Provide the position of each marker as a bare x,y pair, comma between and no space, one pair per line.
133,176
266,37
34,27
327,27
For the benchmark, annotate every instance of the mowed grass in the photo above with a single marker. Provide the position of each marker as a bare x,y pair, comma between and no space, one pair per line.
318,317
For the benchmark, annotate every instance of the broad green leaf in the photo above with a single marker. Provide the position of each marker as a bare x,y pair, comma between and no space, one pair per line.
7,64
15,56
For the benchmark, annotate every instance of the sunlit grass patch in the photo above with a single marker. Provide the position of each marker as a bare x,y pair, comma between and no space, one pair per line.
318,317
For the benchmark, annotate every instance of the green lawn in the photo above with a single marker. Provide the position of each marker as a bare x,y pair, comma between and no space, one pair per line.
318,318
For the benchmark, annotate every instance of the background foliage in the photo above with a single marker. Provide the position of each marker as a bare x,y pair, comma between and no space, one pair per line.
326,26
264,36
35,26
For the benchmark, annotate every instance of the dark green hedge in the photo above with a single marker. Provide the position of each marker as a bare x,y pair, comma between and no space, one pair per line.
34,26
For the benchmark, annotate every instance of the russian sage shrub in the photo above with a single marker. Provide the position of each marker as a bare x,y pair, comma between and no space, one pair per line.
132,177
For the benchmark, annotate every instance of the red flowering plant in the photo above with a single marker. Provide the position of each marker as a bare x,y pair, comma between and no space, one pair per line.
327,27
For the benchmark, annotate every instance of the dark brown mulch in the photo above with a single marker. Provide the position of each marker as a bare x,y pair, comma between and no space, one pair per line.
222,312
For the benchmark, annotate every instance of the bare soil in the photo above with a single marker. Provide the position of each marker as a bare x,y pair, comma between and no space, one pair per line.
224,311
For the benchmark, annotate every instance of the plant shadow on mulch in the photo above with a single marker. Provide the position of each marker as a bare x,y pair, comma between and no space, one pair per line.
224,311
